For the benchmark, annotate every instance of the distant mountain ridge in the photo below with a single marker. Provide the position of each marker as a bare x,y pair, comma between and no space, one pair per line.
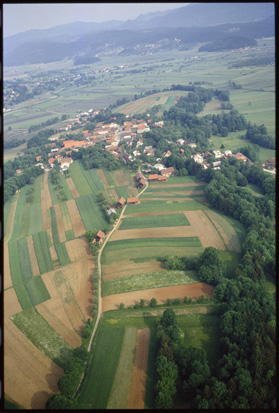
199,22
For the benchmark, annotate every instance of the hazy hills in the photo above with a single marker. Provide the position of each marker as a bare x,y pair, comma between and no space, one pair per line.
208,22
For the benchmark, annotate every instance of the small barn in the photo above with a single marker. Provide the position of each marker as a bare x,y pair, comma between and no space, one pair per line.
162,178
99,237
168,171
133,201
153,178
121,202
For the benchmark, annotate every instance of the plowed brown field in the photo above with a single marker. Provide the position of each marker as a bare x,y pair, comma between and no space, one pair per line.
11,303
221,231
30,377
60,225
137,393
33,257
130,268
54,313
204,229
120,178
7,273
73,286
112,302
103,178
76,220
11,219
45,202
72,187
164,232
77,249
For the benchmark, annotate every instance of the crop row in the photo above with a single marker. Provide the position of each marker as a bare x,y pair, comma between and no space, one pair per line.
41,246
154,242
59,246
97,386
42,335
164,206
32,292
154,221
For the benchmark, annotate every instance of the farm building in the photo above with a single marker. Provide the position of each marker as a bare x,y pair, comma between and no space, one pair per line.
38,157
167,154
168,171
140,179
133,201
99,237
18,171
162,178
181,151
121,202
153,177
71,143
207,155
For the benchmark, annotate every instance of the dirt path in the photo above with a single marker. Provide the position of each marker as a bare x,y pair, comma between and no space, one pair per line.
11,219
137,393
111,302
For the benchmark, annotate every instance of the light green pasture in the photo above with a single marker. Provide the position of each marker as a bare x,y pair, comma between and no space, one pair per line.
146,281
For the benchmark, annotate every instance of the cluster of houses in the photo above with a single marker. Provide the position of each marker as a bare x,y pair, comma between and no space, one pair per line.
202,158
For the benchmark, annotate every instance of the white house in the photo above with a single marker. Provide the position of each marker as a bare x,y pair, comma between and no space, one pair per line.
159,166
217,163
217,153
228,153
111,211
65,163
197,158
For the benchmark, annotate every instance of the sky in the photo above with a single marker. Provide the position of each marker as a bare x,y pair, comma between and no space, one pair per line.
20,17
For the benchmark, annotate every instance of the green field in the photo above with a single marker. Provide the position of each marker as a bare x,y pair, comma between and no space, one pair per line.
62,253
96,389
154,221
202,331
146,281
174,189
154,242
23,296
144,254
91,214
36,219
65,215
80,181
234,230
18,220
42,335
6,212
120,392
41,246
55,193
164,206
69,235
93,179
14,262
24,259
122,191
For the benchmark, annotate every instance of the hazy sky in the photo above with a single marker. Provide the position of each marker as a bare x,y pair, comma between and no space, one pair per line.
20,17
